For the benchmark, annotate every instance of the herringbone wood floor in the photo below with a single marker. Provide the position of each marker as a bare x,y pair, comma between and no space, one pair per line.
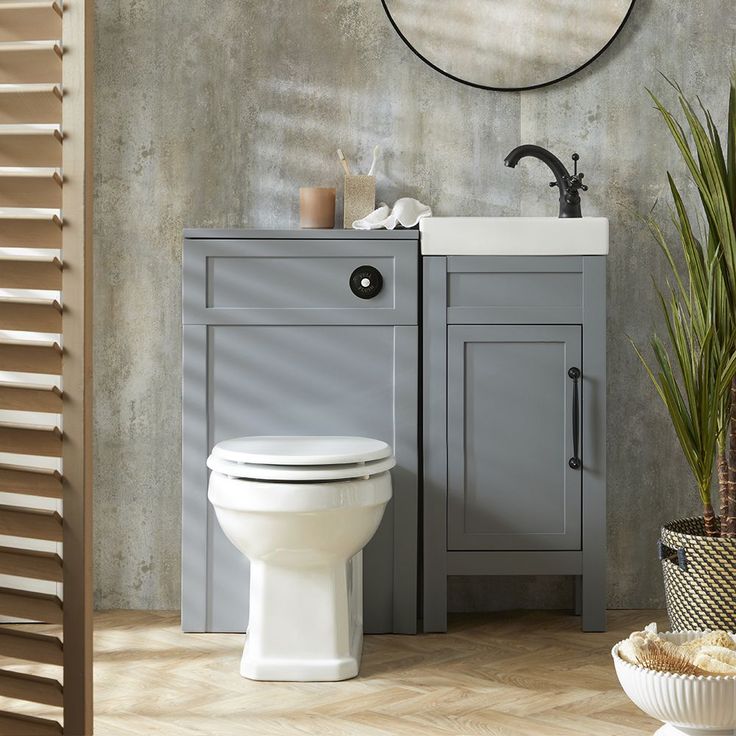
510,674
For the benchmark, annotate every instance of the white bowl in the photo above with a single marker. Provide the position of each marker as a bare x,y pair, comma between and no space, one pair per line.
686,704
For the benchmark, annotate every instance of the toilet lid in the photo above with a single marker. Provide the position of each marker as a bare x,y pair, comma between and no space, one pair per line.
344,471
305,450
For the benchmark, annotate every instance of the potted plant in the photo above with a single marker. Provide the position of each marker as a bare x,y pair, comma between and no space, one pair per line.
694,367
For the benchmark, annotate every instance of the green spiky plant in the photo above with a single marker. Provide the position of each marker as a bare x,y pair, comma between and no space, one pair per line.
695,376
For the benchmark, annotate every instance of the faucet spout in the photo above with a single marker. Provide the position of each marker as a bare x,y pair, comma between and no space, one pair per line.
568,184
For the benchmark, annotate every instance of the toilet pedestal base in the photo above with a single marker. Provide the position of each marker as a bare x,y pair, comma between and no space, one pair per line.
305,622
303,670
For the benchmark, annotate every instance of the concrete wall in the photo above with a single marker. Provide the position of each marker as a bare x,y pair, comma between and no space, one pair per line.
214,112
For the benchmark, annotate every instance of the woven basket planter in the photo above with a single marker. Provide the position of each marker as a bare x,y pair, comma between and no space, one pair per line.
699,577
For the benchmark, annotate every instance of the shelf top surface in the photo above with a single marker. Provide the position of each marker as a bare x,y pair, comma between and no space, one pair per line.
312,234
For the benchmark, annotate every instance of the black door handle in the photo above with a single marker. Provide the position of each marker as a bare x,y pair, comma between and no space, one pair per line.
574,462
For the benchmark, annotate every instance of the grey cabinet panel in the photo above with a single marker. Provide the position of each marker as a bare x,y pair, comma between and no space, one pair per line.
259,281
269,282
195,444
314,379
509,438
514,290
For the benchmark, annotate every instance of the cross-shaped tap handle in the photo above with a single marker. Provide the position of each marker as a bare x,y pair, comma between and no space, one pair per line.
576,180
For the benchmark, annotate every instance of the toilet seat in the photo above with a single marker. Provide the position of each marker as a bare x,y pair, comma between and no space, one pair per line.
295,459
298,473
304,450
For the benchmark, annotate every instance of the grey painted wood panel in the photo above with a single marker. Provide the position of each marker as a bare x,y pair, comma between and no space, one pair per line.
307,234
195,445
434,422
316,379
555,562
593,583
514,290
510,486
281,362
260,281
514,264
315,282
509,289
514,315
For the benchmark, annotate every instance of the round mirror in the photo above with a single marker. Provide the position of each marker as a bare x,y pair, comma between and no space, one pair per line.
508,44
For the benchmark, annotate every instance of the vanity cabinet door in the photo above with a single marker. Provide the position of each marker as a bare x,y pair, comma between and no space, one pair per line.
510,437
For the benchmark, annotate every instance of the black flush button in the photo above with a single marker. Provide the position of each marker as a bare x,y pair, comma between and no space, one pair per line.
366,282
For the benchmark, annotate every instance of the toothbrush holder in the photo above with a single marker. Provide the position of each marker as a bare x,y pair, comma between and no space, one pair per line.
359,198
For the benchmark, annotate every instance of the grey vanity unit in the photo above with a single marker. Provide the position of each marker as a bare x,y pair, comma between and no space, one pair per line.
514,423
277,341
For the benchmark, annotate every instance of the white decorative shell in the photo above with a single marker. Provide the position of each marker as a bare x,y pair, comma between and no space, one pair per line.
406,212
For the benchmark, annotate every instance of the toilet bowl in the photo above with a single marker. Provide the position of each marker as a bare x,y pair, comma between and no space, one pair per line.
302,509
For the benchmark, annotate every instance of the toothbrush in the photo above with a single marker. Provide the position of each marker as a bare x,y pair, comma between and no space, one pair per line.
343,161
372,170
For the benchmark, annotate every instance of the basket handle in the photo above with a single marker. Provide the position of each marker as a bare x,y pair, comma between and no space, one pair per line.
673,555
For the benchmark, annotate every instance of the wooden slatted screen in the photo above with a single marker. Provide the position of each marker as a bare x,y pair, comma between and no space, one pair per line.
45,365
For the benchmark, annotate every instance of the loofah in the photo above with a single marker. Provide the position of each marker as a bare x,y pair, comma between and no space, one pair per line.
629,651
712,666
722,654
712,638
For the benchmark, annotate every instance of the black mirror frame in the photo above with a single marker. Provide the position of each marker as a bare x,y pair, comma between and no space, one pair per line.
509,89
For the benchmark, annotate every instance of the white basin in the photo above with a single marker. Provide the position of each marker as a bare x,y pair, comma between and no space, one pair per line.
514,236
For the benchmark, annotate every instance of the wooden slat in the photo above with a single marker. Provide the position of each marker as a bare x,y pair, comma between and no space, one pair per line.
30,103
29,563
22,145
32,606
32,647
23,233
31,357
16,521
24,440
31,687
35,274
30,62
30,316
15,397
30,481
17,725
30,188
26,21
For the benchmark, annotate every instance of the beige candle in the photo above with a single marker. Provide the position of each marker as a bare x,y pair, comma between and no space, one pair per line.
317,207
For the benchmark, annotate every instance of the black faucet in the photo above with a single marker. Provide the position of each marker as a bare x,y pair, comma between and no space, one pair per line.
568,184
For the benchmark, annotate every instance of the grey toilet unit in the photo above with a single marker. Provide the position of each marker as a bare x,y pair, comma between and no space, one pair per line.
299,332
317,332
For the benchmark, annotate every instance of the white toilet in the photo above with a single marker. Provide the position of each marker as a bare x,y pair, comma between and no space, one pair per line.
302,509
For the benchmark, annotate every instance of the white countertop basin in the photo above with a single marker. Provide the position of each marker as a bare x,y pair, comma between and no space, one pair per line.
514,236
